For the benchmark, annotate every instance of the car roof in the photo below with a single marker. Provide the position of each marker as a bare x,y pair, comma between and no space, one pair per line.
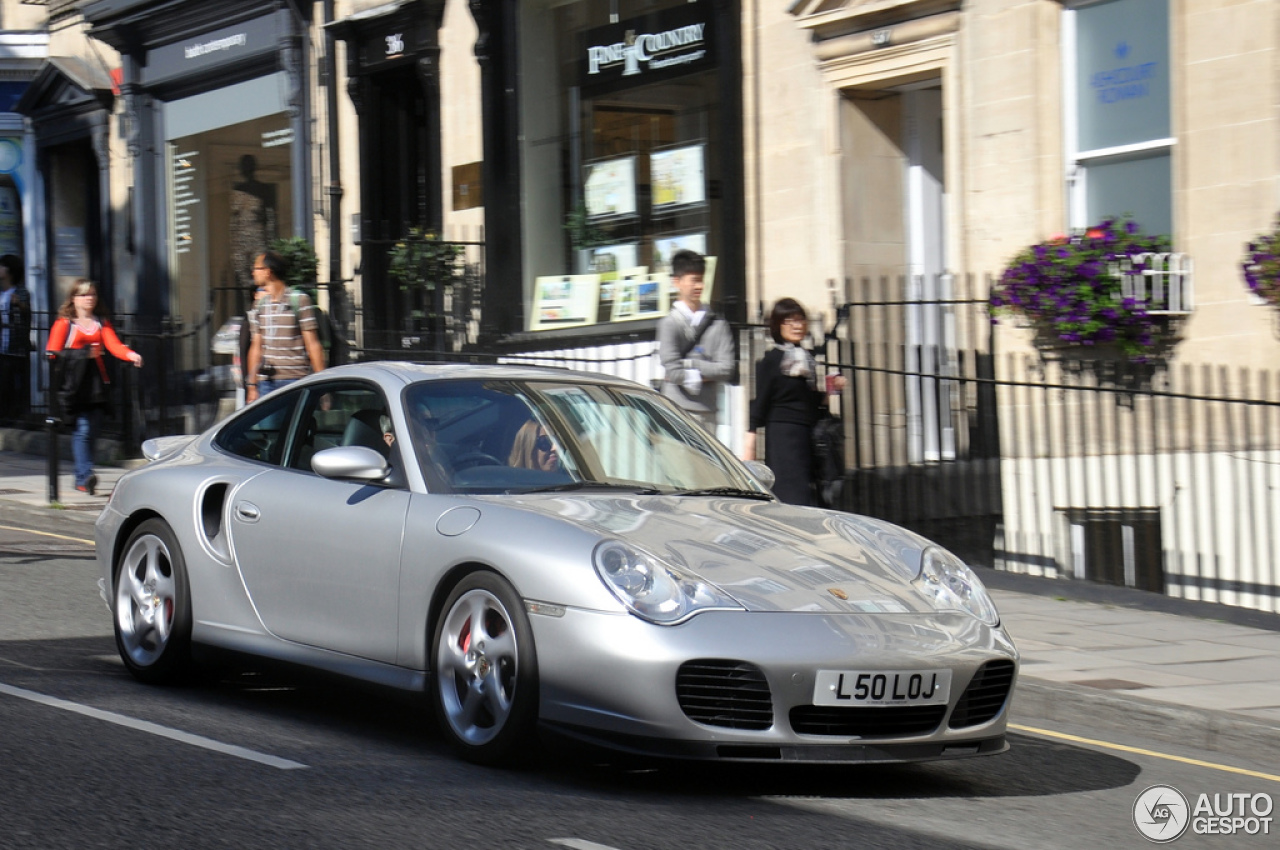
405,372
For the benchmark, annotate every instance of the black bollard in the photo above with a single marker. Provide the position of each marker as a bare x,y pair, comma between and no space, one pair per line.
51,423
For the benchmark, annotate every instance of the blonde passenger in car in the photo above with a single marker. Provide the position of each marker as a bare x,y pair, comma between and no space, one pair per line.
533,449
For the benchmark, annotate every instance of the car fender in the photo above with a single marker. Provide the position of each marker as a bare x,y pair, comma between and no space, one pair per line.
545,559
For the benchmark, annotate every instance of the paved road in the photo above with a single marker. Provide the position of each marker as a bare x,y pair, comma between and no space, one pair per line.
248,760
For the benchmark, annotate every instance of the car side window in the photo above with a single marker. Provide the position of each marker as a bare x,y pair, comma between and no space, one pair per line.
259,433
342,414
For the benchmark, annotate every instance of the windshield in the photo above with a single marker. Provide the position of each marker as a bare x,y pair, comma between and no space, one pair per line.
521,437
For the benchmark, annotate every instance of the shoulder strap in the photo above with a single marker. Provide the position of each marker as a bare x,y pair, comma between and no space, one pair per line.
706,323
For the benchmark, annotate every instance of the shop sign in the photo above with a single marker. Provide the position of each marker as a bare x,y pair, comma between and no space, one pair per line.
253,38
648,49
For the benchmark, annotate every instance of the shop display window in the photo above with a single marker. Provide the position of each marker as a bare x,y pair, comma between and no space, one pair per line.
620,156
230,194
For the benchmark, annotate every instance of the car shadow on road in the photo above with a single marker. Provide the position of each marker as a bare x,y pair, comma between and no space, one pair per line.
1031,767
394,722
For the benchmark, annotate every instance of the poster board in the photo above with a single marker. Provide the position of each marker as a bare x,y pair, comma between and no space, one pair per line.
666,246
678,177
564,301
607,261
637,294
610,187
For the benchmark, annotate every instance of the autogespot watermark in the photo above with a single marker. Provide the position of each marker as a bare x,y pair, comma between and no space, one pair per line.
1162,813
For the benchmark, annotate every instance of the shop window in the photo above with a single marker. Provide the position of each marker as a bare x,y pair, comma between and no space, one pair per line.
1119,142
621,158
230,192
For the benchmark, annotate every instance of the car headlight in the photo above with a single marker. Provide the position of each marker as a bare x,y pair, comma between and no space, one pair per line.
951,586
653,590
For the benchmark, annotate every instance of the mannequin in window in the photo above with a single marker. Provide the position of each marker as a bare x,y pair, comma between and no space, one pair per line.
253,218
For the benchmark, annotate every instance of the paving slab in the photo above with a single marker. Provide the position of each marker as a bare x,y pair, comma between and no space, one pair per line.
1184,652
1226,696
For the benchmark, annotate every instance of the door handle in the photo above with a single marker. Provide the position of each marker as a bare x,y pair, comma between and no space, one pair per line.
248,512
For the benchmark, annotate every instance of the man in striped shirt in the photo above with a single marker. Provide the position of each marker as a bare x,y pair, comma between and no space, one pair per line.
285,345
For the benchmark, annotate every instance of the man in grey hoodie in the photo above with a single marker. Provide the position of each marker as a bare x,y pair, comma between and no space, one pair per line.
694,344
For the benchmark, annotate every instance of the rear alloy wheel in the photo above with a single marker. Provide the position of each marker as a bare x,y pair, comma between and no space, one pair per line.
486,670
153,605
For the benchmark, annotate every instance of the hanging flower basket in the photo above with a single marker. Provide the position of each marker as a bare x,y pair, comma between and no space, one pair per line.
1069,289
1261,266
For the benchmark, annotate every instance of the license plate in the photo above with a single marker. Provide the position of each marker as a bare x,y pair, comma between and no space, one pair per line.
882,687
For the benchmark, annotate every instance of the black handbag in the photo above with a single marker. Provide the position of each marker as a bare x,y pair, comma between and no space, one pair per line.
828,459
81,381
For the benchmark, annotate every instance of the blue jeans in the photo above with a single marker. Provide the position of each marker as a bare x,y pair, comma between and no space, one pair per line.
266,385
82,444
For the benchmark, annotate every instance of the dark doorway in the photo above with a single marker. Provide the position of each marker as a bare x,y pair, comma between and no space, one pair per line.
75,219
400,184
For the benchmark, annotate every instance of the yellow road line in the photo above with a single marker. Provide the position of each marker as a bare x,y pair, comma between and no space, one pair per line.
1049,733
47,534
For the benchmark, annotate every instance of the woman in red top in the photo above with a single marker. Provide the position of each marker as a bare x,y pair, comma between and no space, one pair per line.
79,335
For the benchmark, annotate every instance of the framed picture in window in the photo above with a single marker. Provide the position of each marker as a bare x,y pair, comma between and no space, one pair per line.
564,301
637,294
666,246
677,178
610,187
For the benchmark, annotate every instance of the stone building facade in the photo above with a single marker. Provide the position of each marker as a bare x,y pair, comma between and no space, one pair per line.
812,144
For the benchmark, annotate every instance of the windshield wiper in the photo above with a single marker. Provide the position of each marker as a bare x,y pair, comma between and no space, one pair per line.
583,485
737,492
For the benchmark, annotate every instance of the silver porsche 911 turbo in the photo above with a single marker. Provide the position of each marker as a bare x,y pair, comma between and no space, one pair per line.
545,549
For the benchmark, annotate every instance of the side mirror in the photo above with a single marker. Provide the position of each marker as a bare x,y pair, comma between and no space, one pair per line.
351,463
762,473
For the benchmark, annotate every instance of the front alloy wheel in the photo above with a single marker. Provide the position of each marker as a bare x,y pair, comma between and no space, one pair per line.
485,669
152,605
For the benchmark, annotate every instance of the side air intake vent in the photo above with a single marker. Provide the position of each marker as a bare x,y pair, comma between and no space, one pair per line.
733,694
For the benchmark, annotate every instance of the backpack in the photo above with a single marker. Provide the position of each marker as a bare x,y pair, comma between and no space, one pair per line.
324,326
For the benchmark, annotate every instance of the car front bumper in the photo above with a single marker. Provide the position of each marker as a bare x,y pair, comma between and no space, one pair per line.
618,681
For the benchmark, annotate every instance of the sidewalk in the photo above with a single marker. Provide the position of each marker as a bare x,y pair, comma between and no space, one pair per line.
24,479
1193,674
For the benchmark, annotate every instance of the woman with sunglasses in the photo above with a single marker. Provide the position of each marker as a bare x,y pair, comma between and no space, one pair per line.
533,449
788,404
77,338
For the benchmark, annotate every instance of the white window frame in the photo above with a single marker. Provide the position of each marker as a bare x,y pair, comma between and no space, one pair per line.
1078,161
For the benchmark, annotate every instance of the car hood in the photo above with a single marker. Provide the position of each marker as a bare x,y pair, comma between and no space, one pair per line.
767,555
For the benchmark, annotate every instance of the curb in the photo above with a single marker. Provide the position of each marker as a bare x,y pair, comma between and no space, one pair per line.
1068,589
1184,726
49,518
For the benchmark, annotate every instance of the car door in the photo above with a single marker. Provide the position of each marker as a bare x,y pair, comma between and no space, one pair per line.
320,558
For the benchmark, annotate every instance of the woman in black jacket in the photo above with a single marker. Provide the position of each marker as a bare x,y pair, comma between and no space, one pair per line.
787,404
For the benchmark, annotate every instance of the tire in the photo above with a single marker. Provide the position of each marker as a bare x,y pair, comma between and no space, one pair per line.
486,682
152,606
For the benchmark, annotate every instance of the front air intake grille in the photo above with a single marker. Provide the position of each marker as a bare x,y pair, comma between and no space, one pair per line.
887,722
985,696
733,694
